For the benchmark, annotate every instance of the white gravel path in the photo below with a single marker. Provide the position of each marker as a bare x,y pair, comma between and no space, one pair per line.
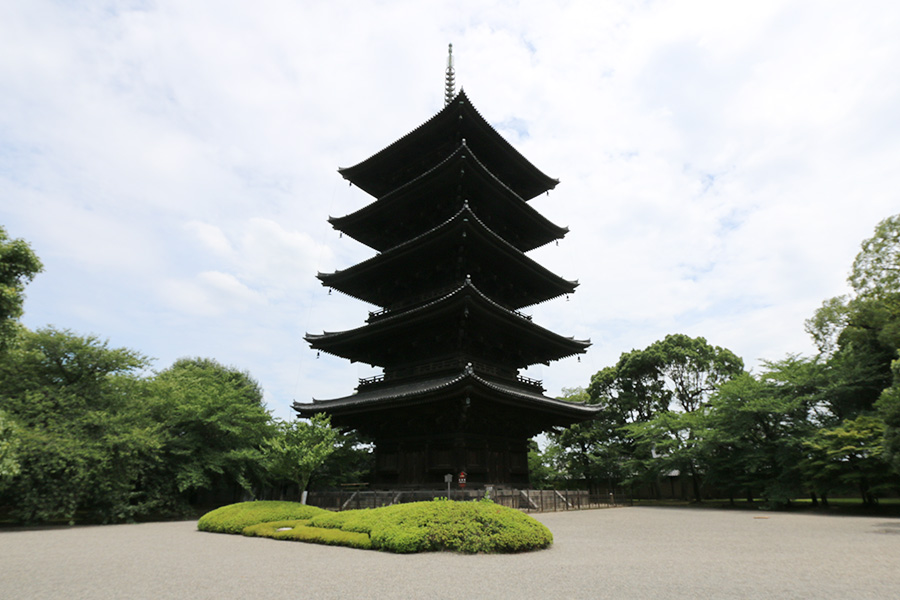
611,553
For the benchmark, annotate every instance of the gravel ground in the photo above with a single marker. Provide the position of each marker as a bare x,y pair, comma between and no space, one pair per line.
611,553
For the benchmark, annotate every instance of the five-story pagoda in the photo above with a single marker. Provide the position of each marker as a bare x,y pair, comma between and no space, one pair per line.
451,224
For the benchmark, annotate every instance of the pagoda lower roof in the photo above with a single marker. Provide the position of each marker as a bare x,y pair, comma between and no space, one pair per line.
357,409
434,140
439,192
465,320
442,257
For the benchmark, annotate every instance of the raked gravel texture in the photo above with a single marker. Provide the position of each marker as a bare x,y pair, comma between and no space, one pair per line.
612,553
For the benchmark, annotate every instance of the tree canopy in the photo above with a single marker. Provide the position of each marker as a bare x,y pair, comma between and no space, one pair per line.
18,266
876,269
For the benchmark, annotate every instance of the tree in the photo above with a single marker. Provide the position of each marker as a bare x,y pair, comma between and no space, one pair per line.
685,371
18,266
9,444
214,428
753,436
859,336
851,454
593,453
827,323
876,269
646,426
543,471
299,448
860,368
351,462
888,406
82,443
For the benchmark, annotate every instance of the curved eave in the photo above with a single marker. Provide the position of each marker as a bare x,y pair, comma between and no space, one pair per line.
431,390
357,280
358,224
347,344
461,120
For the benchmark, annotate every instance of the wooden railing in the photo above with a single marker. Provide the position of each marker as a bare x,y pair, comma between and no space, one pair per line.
524,500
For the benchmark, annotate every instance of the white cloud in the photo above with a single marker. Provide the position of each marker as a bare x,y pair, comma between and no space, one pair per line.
211,294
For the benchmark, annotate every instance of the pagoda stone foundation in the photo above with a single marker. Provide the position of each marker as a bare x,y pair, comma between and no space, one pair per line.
451,225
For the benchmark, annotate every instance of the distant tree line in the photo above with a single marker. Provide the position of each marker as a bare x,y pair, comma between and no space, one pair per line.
803,426
89,433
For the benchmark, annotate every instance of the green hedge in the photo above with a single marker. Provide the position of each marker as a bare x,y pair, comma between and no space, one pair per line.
235,517
468,527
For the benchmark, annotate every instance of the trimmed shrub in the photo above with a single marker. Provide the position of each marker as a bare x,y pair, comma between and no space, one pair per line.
270,529
331,537
359,520
234,517
468,527
298,530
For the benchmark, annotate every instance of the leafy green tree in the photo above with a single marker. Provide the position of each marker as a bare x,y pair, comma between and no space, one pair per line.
300,447
860,334
9,443
850,455
753,437
826,324
876,269
18,266
683,371
646,426
543,472
593,453
82,442
214,429
351,463
860,368
888,406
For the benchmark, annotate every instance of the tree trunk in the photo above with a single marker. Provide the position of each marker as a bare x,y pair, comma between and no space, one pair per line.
695,482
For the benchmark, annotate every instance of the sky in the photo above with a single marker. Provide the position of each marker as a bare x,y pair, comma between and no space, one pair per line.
173,164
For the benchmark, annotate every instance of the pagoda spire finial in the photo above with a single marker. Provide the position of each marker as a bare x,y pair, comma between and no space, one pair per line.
450,80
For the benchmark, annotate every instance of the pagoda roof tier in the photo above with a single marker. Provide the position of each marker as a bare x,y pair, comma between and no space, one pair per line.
439,192
434,140
464,322
442,257
474,402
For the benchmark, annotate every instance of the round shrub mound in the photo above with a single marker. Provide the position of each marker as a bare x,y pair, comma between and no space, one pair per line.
234,517
468,527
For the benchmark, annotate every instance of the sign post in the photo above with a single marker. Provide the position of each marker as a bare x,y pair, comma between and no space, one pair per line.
448,479
462,480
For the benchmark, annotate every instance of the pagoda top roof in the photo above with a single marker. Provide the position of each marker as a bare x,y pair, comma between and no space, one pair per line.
461,176
430,390
431,142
